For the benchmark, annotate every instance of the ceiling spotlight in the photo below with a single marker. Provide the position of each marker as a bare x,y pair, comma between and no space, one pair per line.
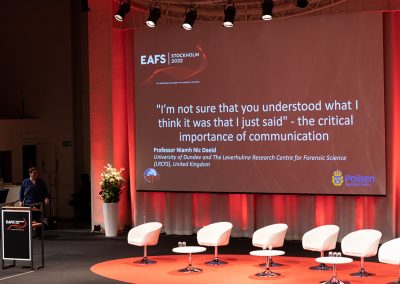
302,3
154,15
123,10
267,6
230,13
190,18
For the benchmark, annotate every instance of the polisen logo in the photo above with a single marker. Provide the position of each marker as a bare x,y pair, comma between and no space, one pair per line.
337,178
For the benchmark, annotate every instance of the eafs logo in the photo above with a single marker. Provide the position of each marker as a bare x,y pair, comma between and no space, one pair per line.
153,59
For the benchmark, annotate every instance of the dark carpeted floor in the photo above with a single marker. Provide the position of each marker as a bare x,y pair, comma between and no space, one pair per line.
69,254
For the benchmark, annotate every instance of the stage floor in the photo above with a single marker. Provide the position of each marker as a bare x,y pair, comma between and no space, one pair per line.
241,269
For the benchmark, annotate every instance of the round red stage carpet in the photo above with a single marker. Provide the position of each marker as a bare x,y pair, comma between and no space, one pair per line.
240,269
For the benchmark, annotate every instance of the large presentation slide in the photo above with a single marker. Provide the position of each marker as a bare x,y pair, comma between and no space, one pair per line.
290,106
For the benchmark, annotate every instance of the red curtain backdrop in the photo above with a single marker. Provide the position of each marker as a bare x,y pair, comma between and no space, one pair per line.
100,86
113,140
392,87
120,117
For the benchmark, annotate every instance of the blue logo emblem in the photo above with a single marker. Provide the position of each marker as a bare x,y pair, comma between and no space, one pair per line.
151,175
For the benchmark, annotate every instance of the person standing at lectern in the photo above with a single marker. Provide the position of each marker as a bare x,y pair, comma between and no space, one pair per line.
34,190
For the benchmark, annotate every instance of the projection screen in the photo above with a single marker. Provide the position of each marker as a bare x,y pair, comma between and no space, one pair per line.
293,106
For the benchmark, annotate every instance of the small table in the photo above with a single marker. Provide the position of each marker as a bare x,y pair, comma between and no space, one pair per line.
268,254
334,260
189,250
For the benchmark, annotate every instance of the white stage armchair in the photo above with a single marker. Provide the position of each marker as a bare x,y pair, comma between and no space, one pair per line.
269,237
216,234
322,238
145,235
361,243
389,253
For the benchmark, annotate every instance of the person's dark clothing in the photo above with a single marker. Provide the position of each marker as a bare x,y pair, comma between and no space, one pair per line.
33,193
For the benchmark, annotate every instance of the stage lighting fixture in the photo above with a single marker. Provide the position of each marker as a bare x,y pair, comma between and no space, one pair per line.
123,10
154,15
229,19
267,6
302,3
190,18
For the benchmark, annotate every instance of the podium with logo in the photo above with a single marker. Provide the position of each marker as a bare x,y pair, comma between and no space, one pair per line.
16,230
